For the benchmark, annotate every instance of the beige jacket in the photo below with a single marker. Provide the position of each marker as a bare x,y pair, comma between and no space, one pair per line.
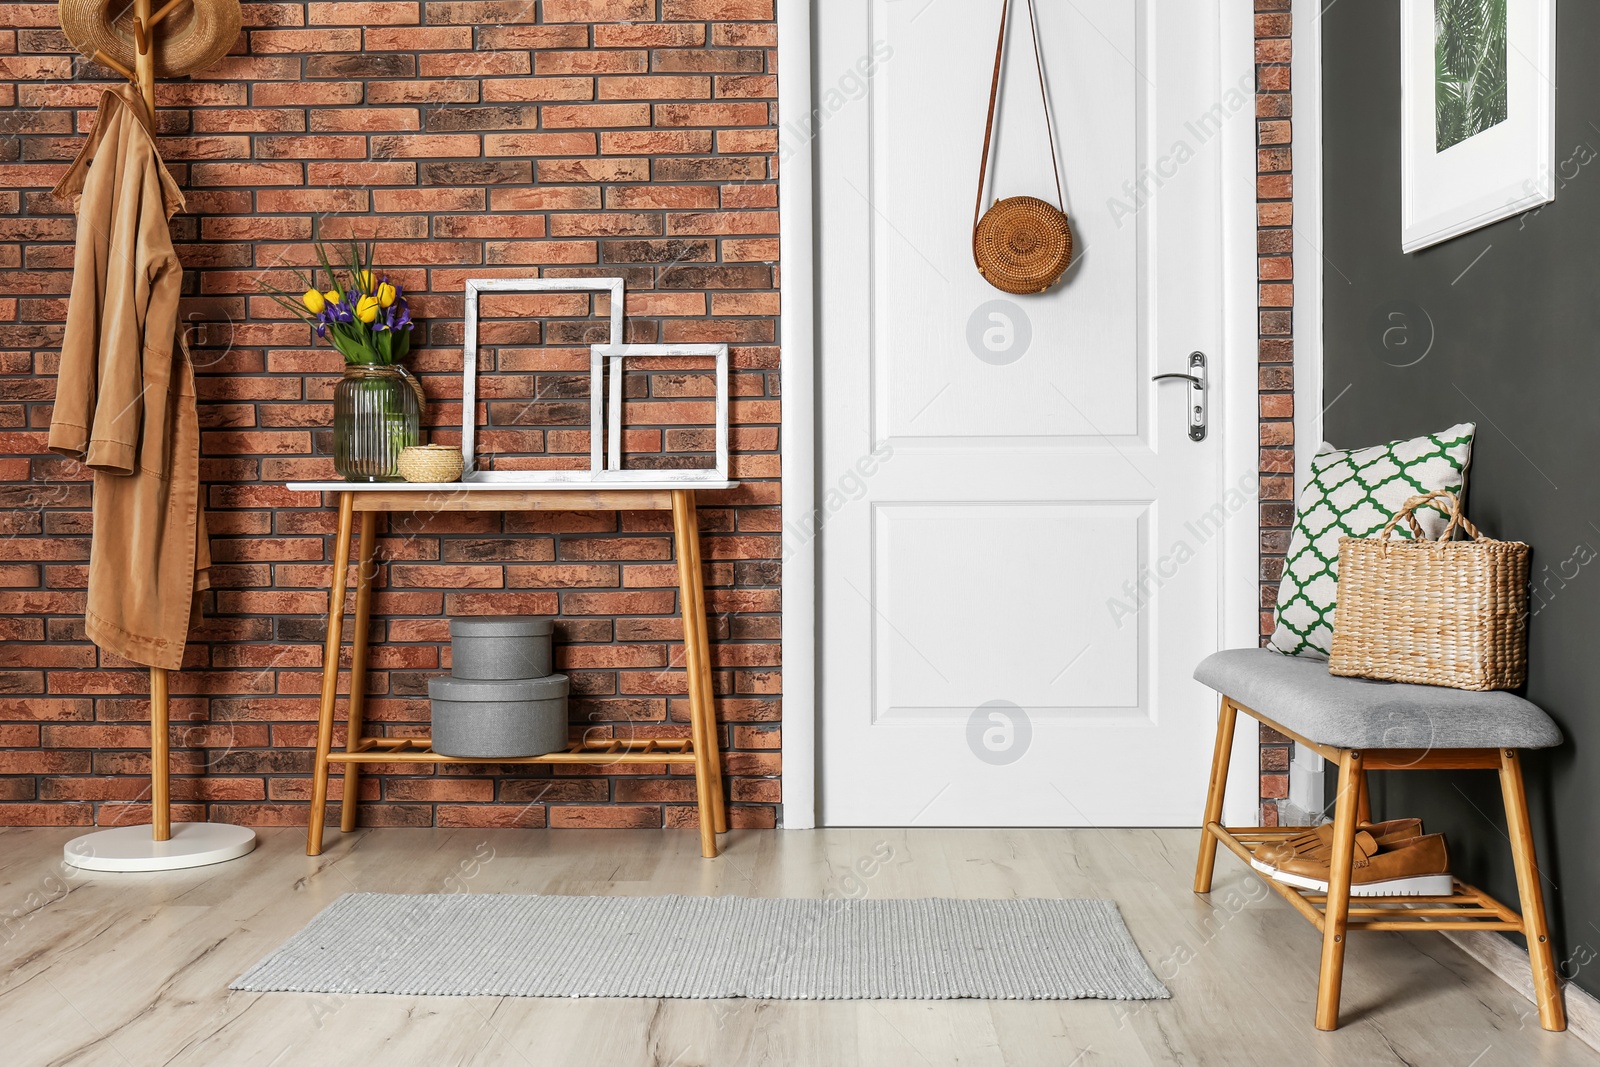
125,394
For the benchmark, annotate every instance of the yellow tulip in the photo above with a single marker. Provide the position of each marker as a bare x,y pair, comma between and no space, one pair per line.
364,281
367,308
331,296
385,294
314,302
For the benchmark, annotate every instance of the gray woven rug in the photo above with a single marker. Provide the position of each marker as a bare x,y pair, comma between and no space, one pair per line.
711,948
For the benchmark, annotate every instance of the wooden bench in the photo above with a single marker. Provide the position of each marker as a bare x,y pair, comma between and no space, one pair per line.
1366,726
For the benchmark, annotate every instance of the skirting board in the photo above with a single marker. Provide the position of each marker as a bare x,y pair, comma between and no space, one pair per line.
1510,964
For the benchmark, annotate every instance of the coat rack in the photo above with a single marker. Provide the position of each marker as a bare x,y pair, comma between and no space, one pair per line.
126,848
143,75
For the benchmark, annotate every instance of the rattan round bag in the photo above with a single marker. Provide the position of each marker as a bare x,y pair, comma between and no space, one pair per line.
1022,245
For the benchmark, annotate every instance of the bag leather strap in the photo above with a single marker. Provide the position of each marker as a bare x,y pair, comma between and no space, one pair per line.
994,96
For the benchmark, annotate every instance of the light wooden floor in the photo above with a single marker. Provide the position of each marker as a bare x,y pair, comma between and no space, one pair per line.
133,969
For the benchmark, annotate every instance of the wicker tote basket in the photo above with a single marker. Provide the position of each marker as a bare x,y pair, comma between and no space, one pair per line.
1450,613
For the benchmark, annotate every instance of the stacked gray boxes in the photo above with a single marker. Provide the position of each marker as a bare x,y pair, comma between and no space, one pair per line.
501,699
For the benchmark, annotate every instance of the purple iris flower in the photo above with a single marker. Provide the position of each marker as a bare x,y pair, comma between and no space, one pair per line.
399,317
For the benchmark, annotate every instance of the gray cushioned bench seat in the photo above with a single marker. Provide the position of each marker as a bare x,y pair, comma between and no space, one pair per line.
1302,696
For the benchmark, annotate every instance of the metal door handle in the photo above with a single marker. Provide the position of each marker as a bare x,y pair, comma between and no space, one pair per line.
1197,393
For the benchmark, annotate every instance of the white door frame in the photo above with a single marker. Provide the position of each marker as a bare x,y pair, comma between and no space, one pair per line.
1305,77
1239,602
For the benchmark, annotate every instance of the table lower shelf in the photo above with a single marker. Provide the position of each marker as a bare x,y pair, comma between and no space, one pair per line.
420,750
1468,908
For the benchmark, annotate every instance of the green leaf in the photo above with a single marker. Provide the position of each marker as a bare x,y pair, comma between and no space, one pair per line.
333,279
1470,87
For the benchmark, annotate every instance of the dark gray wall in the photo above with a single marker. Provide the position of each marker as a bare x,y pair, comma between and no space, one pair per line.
1516,349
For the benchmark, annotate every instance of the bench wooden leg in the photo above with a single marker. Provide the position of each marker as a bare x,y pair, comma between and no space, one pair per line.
1552,1010
1226,718
1363,800
1336,913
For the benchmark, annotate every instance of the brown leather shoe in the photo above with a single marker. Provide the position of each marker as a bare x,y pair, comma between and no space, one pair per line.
1317,842
1419,867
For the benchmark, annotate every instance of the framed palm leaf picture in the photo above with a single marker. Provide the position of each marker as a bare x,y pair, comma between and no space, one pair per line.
1477,114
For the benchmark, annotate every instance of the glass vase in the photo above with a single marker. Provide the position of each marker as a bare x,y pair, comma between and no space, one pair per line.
375,414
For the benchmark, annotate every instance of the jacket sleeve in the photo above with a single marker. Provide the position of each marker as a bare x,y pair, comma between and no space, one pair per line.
124,389
78,367
79,372
160,350
100,392
151,352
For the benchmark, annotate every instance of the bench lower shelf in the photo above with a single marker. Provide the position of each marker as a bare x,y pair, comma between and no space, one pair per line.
609,751
1468,908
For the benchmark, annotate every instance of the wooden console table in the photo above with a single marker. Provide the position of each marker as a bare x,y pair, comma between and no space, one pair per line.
699,749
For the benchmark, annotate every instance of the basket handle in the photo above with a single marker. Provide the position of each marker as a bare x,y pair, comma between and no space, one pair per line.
1457,519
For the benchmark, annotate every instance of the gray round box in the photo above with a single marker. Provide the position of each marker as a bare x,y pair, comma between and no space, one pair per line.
489,647
499,719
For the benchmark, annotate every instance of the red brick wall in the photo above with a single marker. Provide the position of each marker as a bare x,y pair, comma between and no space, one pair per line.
1275,246
470,138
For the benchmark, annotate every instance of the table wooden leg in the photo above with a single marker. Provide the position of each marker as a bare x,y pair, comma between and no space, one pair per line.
160,756
1552,1010
330,675
1336,913
1220,755
358,669
708,699
696,654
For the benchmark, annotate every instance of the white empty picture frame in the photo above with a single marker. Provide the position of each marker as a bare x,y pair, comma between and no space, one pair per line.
469,378
617,354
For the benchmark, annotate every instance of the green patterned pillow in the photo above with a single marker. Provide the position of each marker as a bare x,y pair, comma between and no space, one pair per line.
1353,494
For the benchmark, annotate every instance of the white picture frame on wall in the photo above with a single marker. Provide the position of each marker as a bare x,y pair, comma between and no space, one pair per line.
1477,143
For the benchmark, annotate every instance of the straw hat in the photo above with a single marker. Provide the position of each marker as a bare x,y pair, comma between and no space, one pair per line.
192,38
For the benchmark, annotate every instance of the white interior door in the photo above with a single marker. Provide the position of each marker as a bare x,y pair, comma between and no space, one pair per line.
1019,564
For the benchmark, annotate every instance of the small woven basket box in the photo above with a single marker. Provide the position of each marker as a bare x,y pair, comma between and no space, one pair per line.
431,463
1449,613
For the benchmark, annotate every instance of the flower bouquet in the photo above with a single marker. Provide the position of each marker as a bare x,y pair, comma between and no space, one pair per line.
365,316
377,408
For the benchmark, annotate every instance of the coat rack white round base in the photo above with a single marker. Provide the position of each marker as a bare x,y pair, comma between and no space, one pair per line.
132,848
